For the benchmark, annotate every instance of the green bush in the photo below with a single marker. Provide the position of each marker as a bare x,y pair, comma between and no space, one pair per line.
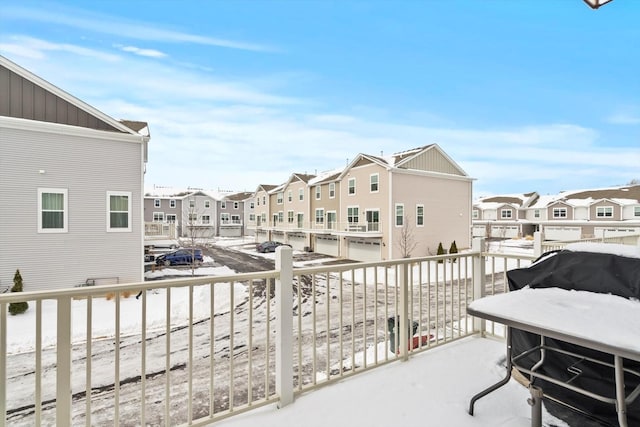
453,249
17,307
440,251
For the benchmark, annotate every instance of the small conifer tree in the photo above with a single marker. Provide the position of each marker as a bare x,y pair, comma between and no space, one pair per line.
440,251
17,307
453,249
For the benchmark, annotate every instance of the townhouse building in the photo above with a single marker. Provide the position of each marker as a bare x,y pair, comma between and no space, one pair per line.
231,220
570,215
376,208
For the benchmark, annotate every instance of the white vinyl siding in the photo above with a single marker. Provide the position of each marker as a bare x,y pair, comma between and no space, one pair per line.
53,210
118,211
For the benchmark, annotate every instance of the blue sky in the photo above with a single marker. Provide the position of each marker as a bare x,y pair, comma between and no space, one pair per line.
527,95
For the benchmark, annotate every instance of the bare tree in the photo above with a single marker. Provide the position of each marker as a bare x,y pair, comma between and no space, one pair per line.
407,238
199,228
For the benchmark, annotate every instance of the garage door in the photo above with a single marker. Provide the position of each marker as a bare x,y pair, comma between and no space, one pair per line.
562,233
479,231
504,231
364,250
230,231
327,245
298,241
614,232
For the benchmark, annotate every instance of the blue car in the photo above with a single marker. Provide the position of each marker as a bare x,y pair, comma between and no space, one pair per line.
180,257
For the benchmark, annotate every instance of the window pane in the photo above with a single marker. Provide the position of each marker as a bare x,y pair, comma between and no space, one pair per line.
120,203
119,220
52,201
52,219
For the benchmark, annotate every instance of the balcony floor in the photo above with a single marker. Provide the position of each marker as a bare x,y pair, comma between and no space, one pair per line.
432,388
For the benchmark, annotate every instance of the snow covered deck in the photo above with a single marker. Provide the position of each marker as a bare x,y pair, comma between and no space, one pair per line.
432,388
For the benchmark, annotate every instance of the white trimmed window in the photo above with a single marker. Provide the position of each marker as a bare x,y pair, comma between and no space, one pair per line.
280,198
223,204
320,216
290,195
236,205
559,212
206,219
252,205
158,217
318,192
475,214
352,214
172,203
156,203
420,215
280,216
374,182
192,203
118,211
235,219
264,200
536,213
506,214
171,218
52,210
207,204
636,211
252,217
604,211
224,218
332,190
351,186
290,217
301,194
399,214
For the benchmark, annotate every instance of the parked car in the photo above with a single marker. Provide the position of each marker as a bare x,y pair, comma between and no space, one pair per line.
269,246
180,257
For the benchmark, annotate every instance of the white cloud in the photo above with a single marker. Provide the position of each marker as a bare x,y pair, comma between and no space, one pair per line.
106,24
630,117
142,52
35,48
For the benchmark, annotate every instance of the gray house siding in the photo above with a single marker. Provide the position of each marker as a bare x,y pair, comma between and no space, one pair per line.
88,164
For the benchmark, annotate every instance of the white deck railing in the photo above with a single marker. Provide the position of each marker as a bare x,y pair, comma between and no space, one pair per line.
203,349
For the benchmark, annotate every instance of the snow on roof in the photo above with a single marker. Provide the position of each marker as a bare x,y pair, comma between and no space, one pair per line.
606,248
326,176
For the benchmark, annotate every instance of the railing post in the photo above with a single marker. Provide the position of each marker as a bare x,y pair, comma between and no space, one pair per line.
63,360
537,244
403,335
479,276
284,325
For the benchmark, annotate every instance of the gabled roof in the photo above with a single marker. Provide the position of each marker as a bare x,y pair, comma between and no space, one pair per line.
76,112
326,177
429,158
514,200
238,197
265,187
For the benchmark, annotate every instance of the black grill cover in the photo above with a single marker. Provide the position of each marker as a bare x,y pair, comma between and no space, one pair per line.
585,271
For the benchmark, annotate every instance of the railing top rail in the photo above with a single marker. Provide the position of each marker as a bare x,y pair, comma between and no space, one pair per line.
100,290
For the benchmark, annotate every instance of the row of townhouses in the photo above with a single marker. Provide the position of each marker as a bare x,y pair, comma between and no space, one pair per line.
570,215
376,208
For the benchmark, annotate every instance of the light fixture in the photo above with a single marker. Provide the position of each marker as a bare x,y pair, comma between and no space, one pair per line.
595,4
